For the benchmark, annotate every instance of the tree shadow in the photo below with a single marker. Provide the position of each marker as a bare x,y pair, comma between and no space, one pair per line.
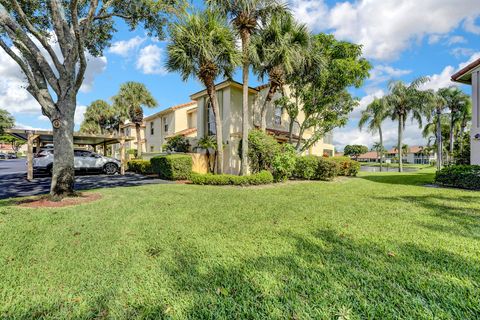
413,179
459,214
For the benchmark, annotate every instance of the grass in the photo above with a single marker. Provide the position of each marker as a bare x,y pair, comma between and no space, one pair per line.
378,246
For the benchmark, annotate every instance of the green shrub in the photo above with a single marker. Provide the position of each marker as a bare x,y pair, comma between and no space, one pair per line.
178,143
139,166
326,169
284,163
263,177
346,166
173,166
262,149
459,176
306,167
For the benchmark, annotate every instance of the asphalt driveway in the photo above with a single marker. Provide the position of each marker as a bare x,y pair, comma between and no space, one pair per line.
13,182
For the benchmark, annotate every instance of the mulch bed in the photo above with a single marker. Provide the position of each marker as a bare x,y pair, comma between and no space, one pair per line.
45,202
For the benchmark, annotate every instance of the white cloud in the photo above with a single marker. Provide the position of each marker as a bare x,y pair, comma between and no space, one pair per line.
387,27
443,79
382,73
462,52
125,47
456,40
364,102
19,125
150,60
470,26
79,114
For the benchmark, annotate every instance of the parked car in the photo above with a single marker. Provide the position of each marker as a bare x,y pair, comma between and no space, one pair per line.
3,156
11,156
84,161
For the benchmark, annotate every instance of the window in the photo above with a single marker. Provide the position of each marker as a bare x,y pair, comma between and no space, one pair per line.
278,116
165,124
212,130
152,131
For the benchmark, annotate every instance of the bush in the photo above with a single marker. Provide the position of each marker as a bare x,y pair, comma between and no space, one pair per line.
262,150
284,163
178,144
306,167
139,166
172,167
326,169
263,177
459,176
346,166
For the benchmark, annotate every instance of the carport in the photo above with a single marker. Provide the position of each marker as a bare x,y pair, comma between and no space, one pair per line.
41,138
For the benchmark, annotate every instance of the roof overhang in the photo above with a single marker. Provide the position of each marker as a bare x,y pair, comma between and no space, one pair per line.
222,85
78,138
465,74
171,109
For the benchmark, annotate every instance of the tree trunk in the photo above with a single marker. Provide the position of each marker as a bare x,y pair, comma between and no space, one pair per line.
139,140
212,94
381,147
452,122
245,35
63,175
462,131
263,112
290,130
439,141
399,145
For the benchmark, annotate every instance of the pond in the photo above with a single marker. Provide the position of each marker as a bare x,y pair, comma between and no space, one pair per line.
390,168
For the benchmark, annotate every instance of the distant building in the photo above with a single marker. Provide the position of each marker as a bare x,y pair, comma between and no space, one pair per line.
414,155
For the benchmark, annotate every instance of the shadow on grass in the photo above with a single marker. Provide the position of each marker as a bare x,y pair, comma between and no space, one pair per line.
327,275
413,179
458,215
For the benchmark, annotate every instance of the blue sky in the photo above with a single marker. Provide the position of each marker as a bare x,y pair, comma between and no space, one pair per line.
403,39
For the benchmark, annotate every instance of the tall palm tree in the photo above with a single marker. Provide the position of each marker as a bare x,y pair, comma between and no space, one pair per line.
372,117
203,46
277,49
455,100
435,115
406,100
464,117
129,101
246,17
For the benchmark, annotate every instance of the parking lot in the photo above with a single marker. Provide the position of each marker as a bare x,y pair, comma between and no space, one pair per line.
13,182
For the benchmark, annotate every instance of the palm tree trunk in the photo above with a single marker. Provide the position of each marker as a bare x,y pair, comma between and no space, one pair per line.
381,147
399,145
263,112
139,140
452,122
245,35
212,94
439,141
462,131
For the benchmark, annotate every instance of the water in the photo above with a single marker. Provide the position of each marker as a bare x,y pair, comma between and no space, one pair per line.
390,168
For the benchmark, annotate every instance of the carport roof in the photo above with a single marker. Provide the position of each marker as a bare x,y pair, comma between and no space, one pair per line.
78,138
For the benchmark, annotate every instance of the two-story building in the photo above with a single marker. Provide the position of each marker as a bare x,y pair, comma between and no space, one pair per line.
413,155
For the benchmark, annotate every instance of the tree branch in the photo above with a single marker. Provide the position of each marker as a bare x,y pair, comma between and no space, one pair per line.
59,22
80,47
38,35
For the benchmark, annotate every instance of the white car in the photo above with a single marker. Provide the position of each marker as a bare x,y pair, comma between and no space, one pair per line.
84,161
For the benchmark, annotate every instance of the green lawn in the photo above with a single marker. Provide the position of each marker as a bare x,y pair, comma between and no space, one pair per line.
378,246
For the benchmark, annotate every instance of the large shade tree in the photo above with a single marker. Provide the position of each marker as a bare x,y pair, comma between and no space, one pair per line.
6,120
278,49
203,46
406,100
129,103
372,118
29,32
247,16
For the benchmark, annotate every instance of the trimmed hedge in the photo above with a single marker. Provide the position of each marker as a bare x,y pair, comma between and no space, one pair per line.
263,177
346,166
315,168
140,166
459,176
173,166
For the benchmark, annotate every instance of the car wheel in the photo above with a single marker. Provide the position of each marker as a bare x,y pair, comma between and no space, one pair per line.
110,168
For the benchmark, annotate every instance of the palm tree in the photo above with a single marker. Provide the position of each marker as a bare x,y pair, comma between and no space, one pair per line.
129,102
406,100
380,150
375,113
455,100
277,49
434,113
246,16
464,117
208,143
6,120
203,46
